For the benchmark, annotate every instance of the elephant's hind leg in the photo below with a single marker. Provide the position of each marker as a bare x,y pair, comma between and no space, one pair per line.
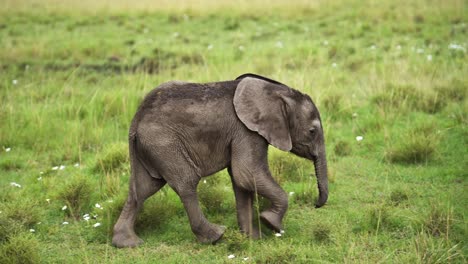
205,231
142,186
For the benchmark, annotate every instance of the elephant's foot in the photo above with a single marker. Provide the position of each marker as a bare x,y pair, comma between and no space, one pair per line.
271,220
211,234
252,233
125,238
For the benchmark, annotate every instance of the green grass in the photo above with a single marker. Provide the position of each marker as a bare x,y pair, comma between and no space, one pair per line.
73,73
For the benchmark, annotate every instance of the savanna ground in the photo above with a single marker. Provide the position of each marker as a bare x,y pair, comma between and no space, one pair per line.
390,79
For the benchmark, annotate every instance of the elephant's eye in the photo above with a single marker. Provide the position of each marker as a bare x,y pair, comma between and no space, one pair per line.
312,131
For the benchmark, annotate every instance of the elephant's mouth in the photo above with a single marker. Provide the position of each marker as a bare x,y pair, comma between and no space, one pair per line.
304,150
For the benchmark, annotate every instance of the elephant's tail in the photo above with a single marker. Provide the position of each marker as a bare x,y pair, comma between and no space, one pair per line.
135,164
140,166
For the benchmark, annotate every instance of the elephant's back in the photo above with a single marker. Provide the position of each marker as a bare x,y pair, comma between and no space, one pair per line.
183,104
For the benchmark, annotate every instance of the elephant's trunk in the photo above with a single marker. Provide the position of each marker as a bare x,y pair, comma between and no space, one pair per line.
321,173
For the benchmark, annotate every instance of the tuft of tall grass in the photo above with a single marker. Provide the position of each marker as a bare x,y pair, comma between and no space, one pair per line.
438,222
382,219
321,233
419,145
77,195
24,212
455,91
281,254
342,148
332,104
235,240
431,250
8,228
304,195
112,159
111,183
398,196
158,211
106,217
289,167
22,248
10,164
378,217
409,98
213,194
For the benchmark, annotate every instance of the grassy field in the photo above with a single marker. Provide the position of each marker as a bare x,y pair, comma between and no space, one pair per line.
390,79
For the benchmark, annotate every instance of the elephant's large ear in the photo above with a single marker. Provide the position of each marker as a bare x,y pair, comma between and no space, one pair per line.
260,106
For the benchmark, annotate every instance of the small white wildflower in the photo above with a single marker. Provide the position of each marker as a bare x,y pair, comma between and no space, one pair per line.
176,34
86,217
398,47
204,181
7,149
110,201
291,193
231,256
61,167
39,223
241,48
281,231
76,165
65,223
64,208
278,234
334,65
98,206
97,225
429,57
41,172
279,44
39,179
359,138
419,50
354,115
32,230
55,168
210,47
246,258
325,42
14,184
373,47
15,82
455,46
48,200
95,216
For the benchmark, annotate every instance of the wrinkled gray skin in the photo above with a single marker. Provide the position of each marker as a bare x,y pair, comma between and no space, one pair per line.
185,131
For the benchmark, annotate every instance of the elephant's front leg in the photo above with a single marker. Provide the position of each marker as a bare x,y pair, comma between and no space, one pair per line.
250,172
244,207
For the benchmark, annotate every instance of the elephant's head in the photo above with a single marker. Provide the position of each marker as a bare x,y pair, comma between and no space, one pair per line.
287,119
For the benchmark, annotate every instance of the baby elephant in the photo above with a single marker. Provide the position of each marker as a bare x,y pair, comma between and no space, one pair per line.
183,132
